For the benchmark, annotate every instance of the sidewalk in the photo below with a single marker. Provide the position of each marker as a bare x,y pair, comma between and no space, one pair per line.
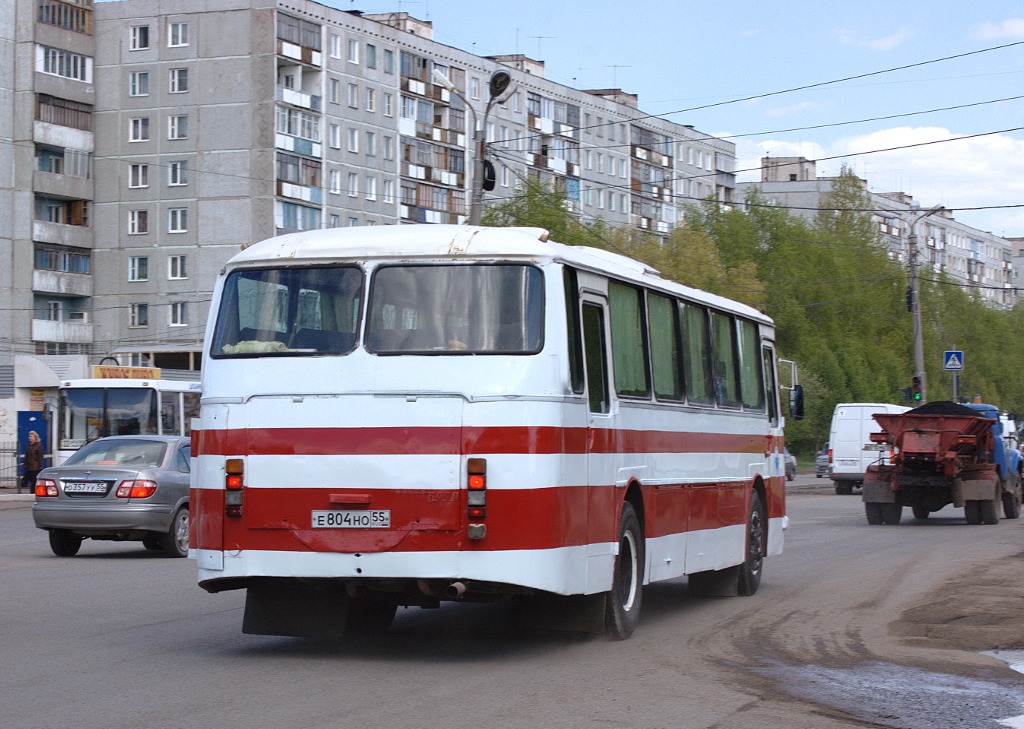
11,499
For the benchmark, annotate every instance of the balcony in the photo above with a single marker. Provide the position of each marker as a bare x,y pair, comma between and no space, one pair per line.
59,282
66,186
297,98
78,236
72,332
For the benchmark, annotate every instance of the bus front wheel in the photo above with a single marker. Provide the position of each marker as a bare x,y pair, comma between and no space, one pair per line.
757,547
622,609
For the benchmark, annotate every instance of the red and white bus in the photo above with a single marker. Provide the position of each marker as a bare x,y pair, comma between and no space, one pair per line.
399,416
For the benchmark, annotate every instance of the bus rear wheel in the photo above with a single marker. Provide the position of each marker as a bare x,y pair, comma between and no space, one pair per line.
622,606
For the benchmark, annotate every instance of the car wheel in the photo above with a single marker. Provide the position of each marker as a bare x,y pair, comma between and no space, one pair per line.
175,541
154,543
64,543
623,601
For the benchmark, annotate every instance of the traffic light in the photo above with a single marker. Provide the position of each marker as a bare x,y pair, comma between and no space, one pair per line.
915,390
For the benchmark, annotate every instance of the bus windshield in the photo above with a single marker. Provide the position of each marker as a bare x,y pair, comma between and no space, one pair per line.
414,309
471,309
96,412
289,311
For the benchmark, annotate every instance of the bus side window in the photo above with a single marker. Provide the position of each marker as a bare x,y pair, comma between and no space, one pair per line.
663,331
629,348
170,413
751,378
696,355
597,363
572,315
723,360
771,385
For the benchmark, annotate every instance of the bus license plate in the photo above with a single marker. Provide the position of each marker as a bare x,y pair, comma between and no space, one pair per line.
347,519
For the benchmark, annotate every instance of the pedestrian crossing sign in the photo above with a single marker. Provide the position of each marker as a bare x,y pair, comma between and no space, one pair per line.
953,360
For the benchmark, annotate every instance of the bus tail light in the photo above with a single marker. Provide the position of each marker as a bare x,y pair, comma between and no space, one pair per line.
233,482
137,489
476,496
46,487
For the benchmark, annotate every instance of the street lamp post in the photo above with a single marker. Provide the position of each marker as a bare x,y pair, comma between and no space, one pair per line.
483,173
920,374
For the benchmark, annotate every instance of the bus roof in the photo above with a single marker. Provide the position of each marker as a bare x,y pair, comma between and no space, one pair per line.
446,241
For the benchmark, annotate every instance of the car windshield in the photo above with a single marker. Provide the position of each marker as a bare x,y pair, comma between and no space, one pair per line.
134,453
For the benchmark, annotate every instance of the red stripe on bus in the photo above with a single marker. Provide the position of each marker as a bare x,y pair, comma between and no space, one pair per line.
455,441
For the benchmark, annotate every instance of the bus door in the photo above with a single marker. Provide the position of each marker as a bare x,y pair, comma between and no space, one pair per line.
600,462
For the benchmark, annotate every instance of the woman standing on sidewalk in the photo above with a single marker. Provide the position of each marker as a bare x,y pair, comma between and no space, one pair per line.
33,460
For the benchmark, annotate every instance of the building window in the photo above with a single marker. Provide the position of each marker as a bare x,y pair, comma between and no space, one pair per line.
177,127
353,96
51,257
179,80
54,311
371,99
371,56
177,220
335,181
139,38
353,51
389,104
353,140
177,173
138,83
66,15
371,144
58,62
138,222
176,268
353,222
335,45
334,221
389,191
139,129
389,61
138,268
65,113
177,35
138,315
371,187
179,314
334,94
353,184
335,136
138,175
388,144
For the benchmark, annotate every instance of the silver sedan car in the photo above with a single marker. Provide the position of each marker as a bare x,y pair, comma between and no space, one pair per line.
122,488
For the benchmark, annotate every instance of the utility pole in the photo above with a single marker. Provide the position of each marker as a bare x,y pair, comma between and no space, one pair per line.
915,303
483,170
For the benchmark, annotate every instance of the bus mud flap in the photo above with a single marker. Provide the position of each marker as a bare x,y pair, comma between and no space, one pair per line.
577,613
301,610
715,583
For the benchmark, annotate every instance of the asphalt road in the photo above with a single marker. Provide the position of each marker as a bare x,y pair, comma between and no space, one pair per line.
853,626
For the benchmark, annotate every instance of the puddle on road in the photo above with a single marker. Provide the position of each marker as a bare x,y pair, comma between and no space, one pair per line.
1015,660
890,695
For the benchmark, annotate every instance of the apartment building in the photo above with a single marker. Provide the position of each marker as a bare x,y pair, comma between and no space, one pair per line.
976,259
151,139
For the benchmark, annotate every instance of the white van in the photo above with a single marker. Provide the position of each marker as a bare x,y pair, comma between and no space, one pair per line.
852,426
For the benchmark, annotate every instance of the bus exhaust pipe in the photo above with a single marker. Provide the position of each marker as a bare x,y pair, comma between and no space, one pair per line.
455,590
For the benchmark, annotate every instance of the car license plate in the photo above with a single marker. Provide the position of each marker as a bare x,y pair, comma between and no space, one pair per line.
85,487
349,519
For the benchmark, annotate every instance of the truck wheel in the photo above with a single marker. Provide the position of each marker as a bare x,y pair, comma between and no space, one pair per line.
873,511
972,512
891,513
989,514
920,512
1011,498
622,603
844,487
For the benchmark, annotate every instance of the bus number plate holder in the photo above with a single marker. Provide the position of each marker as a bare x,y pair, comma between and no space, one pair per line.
352,519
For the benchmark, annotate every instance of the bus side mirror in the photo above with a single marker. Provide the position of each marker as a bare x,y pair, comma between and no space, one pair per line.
796,402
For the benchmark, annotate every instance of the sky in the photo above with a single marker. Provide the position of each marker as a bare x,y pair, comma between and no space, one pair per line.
933,83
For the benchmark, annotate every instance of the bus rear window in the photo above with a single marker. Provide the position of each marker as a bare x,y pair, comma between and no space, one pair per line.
456,309
289,311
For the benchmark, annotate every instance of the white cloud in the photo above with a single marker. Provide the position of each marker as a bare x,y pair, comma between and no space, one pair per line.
1010,29
981,172
885,43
